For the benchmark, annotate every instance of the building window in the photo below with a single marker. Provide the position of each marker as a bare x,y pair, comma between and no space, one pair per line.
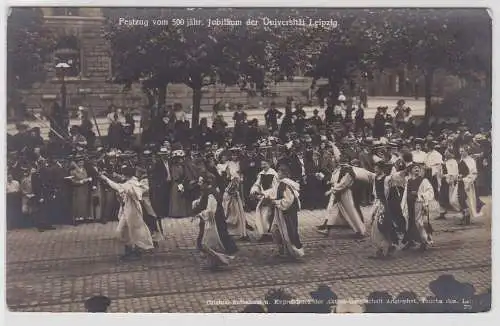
68,51
65,11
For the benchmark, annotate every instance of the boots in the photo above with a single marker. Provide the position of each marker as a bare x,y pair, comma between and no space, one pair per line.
128,253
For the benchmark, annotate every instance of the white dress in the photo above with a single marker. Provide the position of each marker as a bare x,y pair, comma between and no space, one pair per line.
131,229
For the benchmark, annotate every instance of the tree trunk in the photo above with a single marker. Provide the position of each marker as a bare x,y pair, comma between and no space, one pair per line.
429,79
196,106
162,95
334,86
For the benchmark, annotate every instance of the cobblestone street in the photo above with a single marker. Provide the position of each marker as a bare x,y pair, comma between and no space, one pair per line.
56,271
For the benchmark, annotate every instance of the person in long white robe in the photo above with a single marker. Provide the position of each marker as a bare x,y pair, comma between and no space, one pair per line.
264,188
415,205
467,170
434,167
213,241
341,209
131,229
233,209
449,205
284,227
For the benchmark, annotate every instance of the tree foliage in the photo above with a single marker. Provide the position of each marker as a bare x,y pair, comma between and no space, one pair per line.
364,41
29,46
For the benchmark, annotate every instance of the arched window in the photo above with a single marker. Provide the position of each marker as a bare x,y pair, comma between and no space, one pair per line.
65,11
68,51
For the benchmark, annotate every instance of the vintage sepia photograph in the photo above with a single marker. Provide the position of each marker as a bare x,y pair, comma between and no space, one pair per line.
248,160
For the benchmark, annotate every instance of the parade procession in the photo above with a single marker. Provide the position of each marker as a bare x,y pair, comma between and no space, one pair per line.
161,158
249,183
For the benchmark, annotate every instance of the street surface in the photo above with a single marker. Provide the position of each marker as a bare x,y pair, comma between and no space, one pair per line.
56,271
417,106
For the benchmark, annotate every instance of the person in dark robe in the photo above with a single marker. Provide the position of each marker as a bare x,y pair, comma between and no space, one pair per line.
379,123
108,199
316,121
219,129
272,115
21,139
214,241
250,167
35,139
240,125
182,176
314,187
160,183
329,115
300,124
13,202
58,193
383,233
42,196
296,164
252,133
286,123
115,133
86,127
203,134
284,227
415,207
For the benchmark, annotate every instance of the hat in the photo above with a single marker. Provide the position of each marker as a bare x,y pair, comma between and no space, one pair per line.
419,140
147,152
178,153
163,151
98,303
341,98
388,124
479,137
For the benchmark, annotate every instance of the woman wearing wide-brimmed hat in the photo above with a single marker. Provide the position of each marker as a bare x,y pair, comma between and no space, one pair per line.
81,190
415,205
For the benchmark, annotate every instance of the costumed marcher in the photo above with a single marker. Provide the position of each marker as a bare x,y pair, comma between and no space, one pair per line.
467,197
131,229
233,208
250,168
284,227
81,191
149,215
181,177
13,190
342,210
416,205
433,166
383,232
213,241
264,189
160,182
448,196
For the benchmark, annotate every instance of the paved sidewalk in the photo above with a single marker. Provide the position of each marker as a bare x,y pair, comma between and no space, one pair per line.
57,270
